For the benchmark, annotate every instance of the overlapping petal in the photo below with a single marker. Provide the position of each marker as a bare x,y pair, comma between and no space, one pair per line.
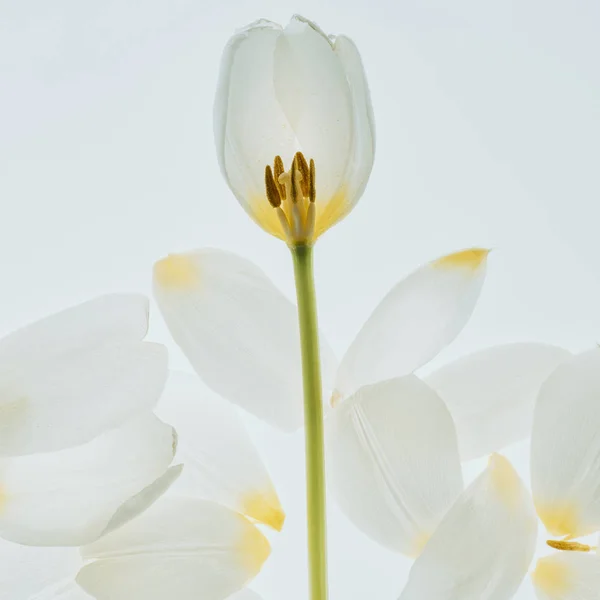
69,498
73,375
484,544
394,466
415,321
565,448
239,332
491,393
176,549
221,462
567,576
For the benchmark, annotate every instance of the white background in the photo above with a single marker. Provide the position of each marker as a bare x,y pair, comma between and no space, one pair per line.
488,118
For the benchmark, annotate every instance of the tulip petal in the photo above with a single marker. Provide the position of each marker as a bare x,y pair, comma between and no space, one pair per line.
393,464
312,90
239,332
68,498
245,595
415,321
362,148
176,549
109,319
491,393
484,544
31,573
71,398
567,576
221,462
565,448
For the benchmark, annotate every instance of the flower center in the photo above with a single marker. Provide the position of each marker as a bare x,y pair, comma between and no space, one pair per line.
292,194
569,546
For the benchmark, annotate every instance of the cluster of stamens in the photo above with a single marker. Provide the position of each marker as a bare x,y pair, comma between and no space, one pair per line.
292,194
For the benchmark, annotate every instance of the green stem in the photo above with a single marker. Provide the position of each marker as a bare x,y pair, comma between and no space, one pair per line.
313,422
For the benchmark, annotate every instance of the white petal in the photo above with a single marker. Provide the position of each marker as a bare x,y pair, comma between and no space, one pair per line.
483,546
565,448
69,497
28,571
491,393
418,318
71,398
64,590
107,319
221,462
245,595
238,331
176,549
393,462
567,576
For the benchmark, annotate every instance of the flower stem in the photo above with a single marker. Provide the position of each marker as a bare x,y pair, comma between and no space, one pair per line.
313,422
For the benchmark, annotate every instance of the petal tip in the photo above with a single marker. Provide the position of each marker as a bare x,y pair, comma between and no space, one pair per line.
552,577
559,519
254,549
176,271
264,508
471,259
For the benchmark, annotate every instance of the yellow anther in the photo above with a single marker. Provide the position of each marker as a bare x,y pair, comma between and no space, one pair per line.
304,170
279,170
272,188
312,191
569,546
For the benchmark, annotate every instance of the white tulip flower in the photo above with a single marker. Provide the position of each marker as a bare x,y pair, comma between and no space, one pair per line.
294,127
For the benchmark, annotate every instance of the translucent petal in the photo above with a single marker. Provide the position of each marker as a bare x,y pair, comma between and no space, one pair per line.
178,547
68,498
416,320
567,576
221,462
239,332
29,573
107,319
393,464
491,393
565,448
70,398
245,595
483,546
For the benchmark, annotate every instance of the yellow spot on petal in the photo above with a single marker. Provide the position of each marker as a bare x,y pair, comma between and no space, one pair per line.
331,211
552,577
176,271
336,398
560,519
419,544
253,548
466,259
265,508
505,480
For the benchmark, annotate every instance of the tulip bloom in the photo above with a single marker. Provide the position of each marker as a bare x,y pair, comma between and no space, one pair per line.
294,127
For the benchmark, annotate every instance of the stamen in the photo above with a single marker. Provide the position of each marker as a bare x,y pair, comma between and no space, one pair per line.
303,168
272,188
296,176
279,170
312,191
569,546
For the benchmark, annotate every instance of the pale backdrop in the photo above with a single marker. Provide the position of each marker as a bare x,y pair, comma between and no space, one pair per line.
488,134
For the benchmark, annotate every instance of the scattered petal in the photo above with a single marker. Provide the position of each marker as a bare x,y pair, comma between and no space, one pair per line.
491,393
567,576
178,547
565,448
483,546
393,462
419,317
239,332
68,498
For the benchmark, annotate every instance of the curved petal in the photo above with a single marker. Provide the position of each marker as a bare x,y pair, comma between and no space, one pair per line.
415,321
239,332
362,147
109,319
393,462
483,546
176,548
565,448
221,462
491,393
567,576
68,498
30,573
245,595
71,398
